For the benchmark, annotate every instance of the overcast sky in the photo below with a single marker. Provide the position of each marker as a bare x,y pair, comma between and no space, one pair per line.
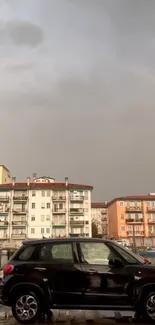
77,92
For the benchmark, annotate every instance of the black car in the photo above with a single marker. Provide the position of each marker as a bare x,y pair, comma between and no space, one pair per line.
76,273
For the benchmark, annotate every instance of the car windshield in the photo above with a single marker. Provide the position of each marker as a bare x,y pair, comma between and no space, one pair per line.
129,256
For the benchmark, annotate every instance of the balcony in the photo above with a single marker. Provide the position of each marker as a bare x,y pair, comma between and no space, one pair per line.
136,233
104,211
76,198
150,209
59,225
59,198
4,198
20,199
152,233
134,209
76,211
3,223
4,211
19,223
19,212
4,236
76,223
150,221
135,221
59,211
18,236
104,219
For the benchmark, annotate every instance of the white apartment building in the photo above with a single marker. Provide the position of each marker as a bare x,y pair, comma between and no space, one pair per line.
99,215
43,208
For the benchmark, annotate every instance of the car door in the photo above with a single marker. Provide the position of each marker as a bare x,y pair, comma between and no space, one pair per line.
63,271
105,285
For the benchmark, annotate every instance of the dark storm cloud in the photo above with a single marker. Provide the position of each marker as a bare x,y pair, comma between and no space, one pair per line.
77,82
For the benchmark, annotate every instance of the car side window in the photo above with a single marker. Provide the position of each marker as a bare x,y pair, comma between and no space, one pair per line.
57,253
27,253
96,253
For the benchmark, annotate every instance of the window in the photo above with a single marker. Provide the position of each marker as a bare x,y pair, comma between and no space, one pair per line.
48,193
42,230
33,218
43,205
56,253
47,218
148,204
122,228
48,205
32,230
42,218
27,253
47,230
128,204
122,216
96,253
43,193
121,204
33,205
131,258
33,193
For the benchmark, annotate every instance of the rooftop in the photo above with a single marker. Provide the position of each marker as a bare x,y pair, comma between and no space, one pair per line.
99,205
148,197
37,186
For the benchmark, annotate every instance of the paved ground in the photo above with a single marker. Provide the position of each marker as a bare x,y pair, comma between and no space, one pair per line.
69,317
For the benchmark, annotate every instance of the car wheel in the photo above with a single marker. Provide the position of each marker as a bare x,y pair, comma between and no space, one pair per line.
148,311
25,308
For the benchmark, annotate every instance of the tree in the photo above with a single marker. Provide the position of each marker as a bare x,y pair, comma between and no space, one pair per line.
94,230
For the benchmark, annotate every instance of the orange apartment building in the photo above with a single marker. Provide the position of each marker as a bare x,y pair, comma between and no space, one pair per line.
133,216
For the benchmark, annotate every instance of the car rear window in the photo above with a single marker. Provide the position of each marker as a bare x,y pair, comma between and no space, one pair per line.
25,253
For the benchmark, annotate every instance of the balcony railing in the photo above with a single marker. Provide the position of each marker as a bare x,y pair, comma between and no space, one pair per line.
4,211
59,198
151,221
152,233
21,211
59,224
19,223
76,211
4,236
132,220
77,223
76,198
4,223
104,211
136,233
149,209
59,211
18,236
134,209
4,198
20,198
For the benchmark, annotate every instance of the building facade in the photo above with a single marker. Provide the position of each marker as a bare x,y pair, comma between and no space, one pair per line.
43,209
99,215
132,218
5,176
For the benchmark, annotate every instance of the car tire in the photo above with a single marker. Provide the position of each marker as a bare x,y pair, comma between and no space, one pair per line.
147,313
25,308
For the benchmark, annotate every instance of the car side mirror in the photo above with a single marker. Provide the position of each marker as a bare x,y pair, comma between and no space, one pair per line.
115,263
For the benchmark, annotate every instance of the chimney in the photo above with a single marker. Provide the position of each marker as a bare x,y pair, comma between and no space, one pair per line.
66,181
34,176
13,181
28,181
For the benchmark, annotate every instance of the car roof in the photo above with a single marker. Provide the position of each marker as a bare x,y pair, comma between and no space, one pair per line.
61,240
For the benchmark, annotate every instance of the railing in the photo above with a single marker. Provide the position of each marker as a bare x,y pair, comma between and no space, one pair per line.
149,209
136,233
4,223
18,236
4,198
75,211
4,210
19,223
22,211
133,209
59,211
104,211
76,223
5,236
76,198
59,198
151,221
20,198
132,220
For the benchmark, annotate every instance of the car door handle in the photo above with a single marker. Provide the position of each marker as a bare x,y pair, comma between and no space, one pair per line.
40,268
92,271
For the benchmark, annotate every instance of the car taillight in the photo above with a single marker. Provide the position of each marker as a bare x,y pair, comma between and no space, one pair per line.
7,269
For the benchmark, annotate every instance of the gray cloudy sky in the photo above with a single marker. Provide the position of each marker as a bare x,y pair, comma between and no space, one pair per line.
77,92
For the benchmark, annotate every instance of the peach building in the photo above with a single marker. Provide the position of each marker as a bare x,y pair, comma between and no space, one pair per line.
99,215
133,216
